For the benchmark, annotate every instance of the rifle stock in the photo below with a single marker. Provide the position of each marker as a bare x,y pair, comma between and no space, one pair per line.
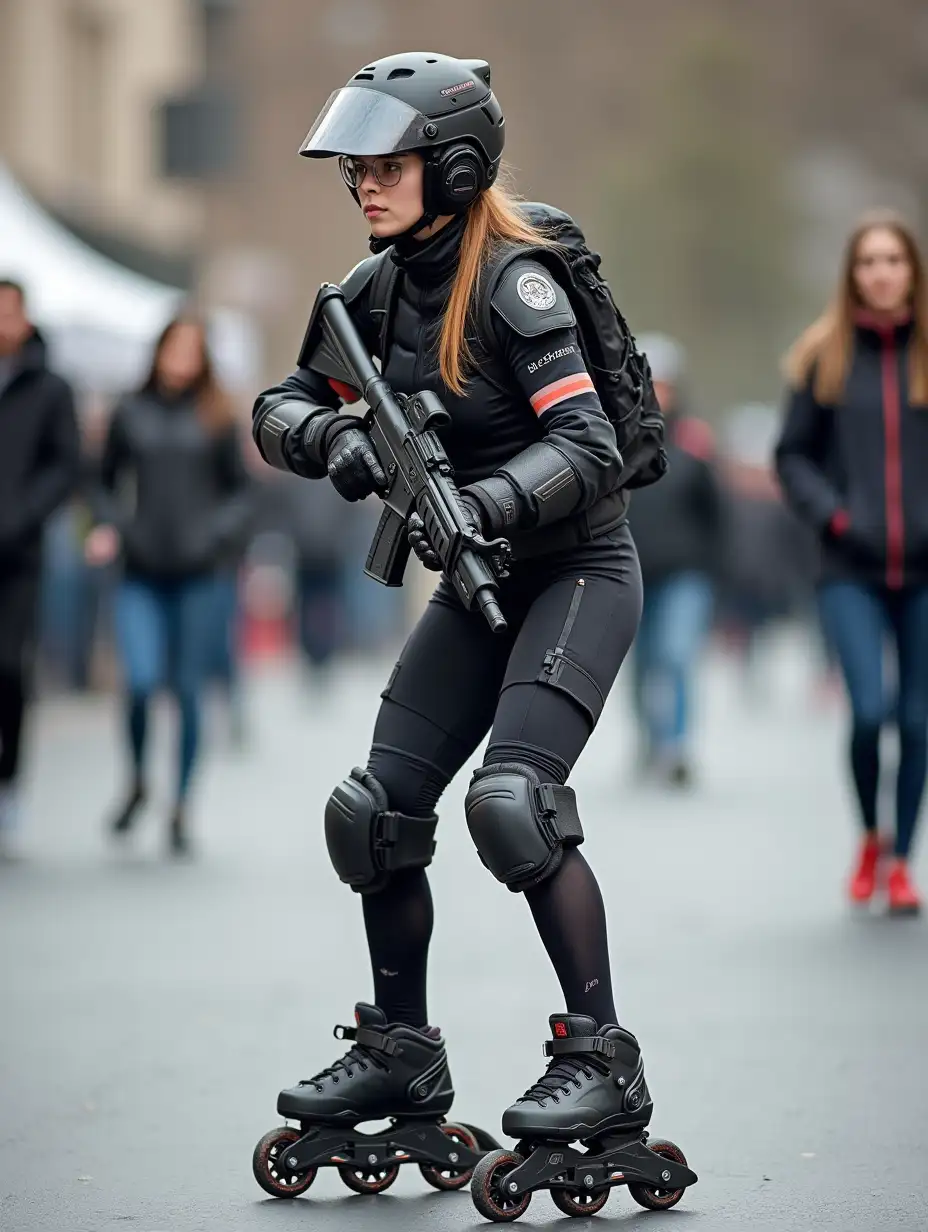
420,476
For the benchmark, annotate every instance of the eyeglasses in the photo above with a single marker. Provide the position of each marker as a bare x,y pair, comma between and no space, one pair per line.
386,171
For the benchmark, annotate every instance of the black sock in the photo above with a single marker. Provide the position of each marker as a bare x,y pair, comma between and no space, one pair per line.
399,927
571,921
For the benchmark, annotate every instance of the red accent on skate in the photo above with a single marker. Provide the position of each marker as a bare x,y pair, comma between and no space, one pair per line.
560,1030
357,1018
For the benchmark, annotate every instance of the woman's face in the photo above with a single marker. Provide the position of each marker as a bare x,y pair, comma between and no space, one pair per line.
181,360
882,271
390,210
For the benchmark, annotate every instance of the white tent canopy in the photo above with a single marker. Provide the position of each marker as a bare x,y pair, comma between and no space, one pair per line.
100,318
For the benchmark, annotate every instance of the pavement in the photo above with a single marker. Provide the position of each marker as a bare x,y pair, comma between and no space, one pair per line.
150,1011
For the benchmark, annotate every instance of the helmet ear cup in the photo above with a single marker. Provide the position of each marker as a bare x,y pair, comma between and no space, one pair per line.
453,179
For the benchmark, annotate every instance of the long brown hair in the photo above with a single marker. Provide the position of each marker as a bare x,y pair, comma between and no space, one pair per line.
213,403
827,344
493,219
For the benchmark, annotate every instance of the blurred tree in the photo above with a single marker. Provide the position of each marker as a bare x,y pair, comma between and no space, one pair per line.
698,228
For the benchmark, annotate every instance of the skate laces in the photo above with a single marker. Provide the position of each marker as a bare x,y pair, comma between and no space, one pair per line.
357,1057
560,1073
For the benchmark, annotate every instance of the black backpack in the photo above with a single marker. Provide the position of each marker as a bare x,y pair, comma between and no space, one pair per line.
619,371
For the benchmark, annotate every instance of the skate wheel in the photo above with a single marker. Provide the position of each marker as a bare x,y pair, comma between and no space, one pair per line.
368,1180
269,1165
447,1177
579,1202
648,1195
488,1188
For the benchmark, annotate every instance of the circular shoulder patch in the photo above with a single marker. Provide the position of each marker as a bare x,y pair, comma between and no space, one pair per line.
535,290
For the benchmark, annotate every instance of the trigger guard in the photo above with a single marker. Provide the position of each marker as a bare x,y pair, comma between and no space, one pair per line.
492,547
498,550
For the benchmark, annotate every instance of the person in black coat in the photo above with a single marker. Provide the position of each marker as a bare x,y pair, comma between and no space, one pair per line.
852,459
39,469
173,500
677,527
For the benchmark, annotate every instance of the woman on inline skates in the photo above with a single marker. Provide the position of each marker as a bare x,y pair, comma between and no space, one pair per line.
457,299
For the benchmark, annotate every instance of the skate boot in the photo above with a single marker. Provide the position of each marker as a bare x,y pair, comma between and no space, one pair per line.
593,1092
391,1072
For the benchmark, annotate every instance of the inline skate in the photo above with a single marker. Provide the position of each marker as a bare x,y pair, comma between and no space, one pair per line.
594,1093
392,1072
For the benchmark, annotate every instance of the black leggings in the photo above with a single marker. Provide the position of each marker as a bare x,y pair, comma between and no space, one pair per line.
454,681
12,709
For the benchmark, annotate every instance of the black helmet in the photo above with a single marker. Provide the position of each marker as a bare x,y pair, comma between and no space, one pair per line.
441,107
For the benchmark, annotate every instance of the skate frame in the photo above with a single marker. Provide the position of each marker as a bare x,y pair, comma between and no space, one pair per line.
608,1161
405,1141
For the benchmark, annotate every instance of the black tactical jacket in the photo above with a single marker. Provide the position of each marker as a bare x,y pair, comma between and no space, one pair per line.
529,438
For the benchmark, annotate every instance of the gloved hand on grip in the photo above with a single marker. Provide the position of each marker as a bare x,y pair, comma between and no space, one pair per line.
419,540
353,466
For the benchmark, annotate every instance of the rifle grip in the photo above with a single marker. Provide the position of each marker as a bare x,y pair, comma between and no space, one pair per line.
389,550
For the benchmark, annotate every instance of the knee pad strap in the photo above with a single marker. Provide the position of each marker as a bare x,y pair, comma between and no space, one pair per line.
520,827
367,840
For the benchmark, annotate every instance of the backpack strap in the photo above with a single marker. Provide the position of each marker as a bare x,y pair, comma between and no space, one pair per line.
383,297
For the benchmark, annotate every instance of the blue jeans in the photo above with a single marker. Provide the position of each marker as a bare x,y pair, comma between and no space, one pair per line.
164,632
674,624
858,619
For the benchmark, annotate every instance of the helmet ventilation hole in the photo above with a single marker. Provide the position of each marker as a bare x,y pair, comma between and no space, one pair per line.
364,77
400,72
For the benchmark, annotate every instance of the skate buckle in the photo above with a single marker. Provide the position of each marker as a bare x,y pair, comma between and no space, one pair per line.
576,1044
369,1038
348,1033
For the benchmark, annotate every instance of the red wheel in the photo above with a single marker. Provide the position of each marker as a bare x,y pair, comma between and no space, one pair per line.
488,1188
579,1202
367,1180
270,1168
441,1176
648,1195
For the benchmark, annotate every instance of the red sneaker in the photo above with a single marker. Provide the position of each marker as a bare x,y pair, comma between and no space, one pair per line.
863,881
903,896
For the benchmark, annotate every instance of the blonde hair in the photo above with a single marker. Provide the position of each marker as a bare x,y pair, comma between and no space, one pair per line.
827,344
493,219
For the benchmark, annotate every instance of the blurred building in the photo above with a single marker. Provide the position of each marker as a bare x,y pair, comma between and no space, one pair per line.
82,84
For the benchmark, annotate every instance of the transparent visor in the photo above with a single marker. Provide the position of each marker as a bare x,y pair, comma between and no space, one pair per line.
364,122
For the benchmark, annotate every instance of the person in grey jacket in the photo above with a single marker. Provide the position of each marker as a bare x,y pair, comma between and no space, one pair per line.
173,445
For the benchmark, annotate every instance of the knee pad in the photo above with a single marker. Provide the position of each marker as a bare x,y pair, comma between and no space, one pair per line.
367,841
520,826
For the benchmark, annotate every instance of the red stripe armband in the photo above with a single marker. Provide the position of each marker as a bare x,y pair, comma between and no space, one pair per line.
561,390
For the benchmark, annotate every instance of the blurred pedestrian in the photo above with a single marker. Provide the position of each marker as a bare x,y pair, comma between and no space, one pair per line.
173,499
225,668
321,528
677,527
39,468
852,458
768,571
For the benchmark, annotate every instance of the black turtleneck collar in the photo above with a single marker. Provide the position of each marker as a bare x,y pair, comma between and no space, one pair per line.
431,262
